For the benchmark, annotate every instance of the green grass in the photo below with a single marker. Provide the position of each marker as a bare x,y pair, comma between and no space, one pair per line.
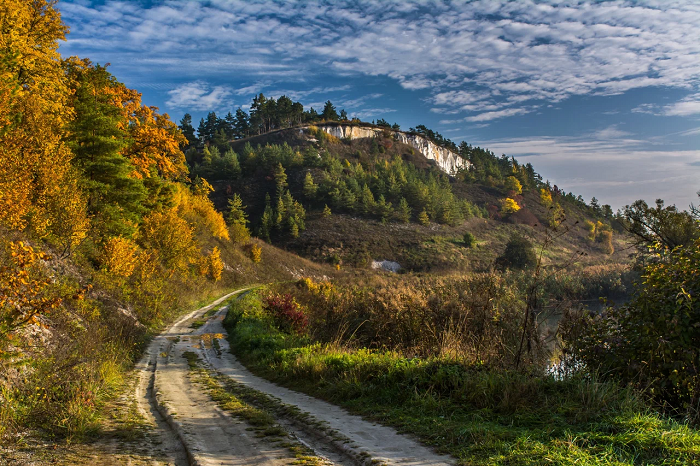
481,416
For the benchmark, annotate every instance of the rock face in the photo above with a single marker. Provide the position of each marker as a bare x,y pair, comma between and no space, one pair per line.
446,160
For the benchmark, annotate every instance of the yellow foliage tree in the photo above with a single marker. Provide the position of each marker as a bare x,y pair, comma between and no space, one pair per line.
545,197
171,238
33,113
509,206
512,186
198,210
211,265
119,256
23,292
255,253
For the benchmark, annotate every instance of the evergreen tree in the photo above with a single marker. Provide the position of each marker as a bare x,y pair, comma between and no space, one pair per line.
423,218
326,211
343,115
230,124
310,188
236,214
188,130
329,113
404,211
96,138
280,177
241,126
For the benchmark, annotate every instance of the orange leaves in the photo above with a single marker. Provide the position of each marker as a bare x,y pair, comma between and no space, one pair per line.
23,291
155,144
211,265
119,256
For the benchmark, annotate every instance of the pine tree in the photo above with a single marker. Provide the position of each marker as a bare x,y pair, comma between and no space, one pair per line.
329,113
188,130
404,211
310,188
236,214
280,179
423,218
96,138
241,126
326,211
366,200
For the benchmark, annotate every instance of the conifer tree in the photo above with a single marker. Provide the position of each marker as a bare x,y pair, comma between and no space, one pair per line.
310,188
280,176
96,138
404,211
423,218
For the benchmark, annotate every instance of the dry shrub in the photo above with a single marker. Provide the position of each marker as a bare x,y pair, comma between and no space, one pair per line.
475,319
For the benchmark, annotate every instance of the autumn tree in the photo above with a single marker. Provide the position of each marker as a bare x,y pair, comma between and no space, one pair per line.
36,177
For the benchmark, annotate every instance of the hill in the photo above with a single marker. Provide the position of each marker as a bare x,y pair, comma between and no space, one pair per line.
377,186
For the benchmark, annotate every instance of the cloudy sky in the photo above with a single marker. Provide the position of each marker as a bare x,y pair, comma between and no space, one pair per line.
603,98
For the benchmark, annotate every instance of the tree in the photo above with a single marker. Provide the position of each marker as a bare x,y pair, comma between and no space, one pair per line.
650,342
469,240
509,206
188,130
329,113
519,254
310,188
34,110
97,138
662,225
326,211
545,197
343,115
241,125
423,218
404,211
512,186
280,177
236,214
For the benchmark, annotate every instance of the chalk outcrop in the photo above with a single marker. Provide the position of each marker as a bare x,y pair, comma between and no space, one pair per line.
446,160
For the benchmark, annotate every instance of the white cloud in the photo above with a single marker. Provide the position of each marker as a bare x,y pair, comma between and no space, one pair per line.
686,107
199,96
477,57
499,114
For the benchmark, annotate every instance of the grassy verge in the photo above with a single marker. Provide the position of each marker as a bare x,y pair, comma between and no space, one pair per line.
481,416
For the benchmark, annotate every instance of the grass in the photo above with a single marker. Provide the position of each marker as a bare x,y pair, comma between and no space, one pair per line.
481,416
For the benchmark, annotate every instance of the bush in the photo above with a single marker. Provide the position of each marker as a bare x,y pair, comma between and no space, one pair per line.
286,313
519,254
469,240
652,341
255,253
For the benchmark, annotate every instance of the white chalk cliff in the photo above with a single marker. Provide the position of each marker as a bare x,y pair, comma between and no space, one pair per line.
446,160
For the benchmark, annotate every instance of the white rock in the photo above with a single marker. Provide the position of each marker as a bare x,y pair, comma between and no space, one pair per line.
387,266
446,160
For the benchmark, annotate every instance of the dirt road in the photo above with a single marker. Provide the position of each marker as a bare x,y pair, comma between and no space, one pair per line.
193,429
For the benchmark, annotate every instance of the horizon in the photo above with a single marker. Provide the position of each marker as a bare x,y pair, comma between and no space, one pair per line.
602,98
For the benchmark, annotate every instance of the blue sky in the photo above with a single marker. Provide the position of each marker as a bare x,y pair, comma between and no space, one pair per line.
603,98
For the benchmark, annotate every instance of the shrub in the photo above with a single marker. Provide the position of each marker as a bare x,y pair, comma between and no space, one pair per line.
286,313
469,240
509,206
519,254
255,253
651,342
545,197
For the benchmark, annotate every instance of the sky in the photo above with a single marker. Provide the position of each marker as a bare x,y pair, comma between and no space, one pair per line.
603,98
